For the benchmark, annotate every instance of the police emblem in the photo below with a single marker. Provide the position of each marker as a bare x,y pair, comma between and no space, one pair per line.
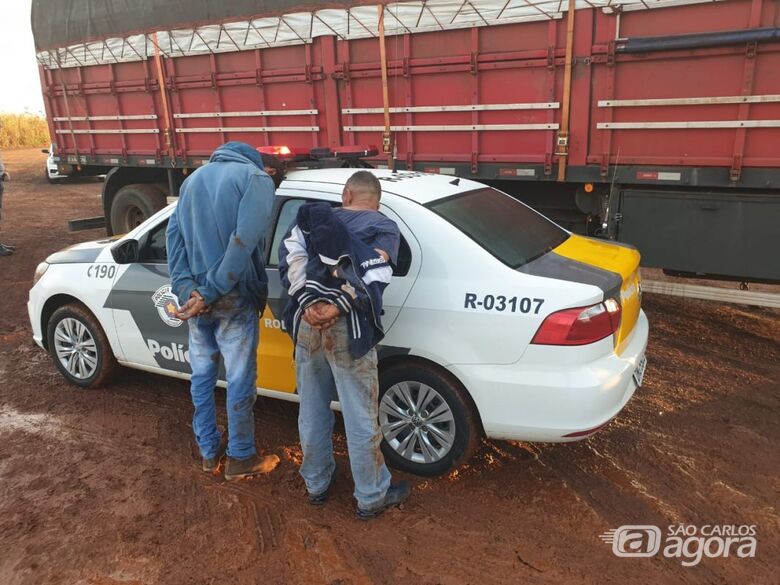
167,306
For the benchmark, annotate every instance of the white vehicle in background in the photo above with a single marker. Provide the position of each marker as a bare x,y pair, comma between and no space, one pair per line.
52,165
498,322
56,171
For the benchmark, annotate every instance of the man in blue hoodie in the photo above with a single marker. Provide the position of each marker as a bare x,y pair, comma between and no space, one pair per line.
215,242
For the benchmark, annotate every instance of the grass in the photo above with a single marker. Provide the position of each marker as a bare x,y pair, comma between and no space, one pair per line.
23,130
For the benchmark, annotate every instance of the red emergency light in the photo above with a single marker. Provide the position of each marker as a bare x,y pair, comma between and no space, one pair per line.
343,152
280,151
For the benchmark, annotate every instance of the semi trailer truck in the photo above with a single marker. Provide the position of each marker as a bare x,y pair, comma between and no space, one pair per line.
651,122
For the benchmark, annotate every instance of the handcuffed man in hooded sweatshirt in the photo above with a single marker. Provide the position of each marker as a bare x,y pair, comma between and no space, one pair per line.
215,241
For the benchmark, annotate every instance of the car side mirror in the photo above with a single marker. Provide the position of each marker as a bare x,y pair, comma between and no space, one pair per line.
126,252
45,150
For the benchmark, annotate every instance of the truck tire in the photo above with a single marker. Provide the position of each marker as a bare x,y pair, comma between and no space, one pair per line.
133,205
442,433
79,346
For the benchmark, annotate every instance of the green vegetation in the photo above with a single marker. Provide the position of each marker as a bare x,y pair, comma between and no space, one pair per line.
23,130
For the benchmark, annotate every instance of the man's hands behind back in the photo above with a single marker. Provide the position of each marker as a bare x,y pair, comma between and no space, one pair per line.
321,315
193,307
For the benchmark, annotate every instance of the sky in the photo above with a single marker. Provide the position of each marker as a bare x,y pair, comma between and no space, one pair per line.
20,87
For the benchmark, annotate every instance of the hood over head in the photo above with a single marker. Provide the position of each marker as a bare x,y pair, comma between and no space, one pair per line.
237,152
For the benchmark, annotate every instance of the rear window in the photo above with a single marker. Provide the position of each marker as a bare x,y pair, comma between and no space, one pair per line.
511,231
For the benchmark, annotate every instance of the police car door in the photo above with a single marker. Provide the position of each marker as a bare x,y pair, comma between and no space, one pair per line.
276,370
144,309
275,367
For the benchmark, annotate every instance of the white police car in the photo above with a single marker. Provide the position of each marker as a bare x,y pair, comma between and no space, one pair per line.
499,323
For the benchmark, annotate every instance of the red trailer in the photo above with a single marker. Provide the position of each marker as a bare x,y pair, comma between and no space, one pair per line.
651,122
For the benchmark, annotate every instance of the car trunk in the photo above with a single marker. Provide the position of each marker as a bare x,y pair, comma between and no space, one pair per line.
619,259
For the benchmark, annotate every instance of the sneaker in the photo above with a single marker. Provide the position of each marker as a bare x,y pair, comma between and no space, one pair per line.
254,465
322,497
396,494
5,251
9,246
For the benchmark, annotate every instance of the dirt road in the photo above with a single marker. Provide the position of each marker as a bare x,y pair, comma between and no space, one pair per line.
102,487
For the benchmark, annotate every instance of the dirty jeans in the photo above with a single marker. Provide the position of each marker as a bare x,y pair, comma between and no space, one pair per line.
325,368
230,329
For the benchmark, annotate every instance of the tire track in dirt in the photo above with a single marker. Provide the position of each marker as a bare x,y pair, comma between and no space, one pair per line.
260,520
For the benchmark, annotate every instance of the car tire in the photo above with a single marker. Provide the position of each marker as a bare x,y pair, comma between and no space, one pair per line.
447,428
133,205
74,326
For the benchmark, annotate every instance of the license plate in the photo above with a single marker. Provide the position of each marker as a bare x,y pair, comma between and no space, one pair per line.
639,372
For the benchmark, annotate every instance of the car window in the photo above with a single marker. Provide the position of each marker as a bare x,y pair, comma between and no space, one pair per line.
154,250
404,258
511,231
287,216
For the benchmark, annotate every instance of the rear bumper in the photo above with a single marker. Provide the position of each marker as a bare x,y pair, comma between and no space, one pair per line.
559,400
53,171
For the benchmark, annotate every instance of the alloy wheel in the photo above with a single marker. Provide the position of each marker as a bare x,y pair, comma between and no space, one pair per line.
76,348
417,422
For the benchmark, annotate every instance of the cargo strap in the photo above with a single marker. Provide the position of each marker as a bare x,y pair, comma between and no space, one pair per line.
563,133
387,138
167,133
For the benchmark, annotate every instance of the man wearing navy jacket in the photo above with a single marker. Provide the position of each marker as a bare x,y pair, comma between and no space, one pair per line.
335,265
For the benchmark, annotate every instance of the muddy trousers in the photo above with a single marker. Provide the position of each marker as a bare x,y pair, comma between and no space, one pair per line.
325,369
229,330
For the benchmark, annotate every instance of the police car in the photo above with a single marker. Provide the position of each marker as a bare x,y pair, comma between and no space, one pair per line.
499,323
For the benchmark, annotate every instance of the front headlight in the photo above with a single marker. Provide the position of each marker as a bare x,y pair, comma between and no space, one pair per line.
40,271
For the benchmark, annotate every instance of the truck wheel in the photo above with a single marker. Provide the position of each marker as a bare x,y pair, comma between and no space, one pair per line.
79,347
428,423
133,205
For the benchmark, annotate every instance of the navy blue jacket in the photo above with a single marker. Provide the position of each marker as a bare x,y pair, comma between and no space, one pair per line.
319,259
215,236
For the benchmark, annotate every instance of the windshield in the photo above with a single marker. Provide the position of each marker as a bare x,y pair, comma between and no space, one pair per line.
511,231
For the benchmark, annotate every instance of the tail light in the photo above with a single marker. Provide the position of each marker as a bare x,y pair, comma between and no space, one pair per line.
580,326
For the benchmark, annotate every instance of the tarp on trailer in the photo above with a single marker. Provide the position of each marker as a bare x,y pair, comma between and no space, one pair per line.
59,23
75,33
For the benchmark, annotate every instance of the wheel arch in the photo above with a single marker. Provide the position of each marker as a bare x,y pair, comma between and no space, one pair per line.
396,359
119,177
51,305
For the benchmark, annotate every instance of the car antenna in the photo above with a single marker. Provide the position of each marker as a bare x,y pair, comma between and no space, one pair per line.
455,182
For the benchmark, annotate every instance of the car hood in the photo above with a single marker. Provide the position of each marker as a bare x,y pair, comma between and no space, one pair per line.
83,253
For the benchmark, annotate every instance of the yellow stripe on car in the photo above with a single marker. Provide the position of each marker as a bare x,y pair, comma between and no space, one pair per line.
615,258
275,366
